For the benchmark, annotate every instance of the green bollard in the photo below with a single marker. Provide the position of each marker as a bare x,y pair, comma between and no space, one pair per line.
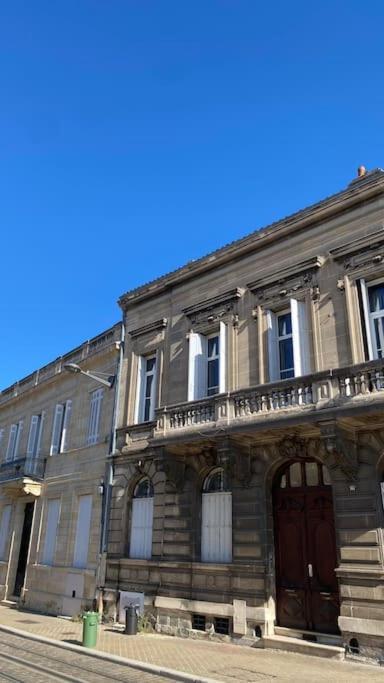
90,623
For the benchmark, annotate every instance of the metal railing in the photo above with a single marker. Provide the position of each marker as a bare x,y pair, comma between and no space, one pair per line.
33,468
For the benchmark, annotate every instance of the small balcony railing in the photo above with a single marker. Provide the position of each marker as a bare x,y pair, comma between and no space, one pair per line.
324,389
32,468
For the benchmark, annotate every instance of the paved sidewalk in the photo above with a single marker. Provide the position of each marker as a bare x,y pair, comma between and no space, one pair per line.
220,661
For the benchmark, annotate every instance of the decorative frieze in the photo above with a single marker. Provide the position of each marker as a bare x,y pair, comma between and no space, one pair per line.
289,281
211,311
159,324
362,255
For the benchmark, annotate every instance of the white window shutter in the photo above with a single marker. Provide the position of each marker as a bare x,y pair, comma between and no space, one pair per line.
64,435
83,526
273,348
94,416
216,529
139,401
223,357
32,436
154,388
197,366
1,436
56,430
11,443
40,434
51,523
367,320
140,546
300,338
18,438
4,530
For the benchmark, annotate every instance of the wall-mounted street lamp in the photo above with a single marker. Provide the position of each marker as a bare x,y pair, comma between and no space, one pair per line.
97,376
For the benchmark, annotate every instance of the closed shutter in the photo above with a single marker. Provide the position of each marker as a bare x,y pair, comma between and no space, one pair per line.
140,546
273,347
51,522
367,319
83,527
4,530
66,421
57,428
11,443
300,338
197,366
216,531
223,358
19,432
154,388
40,434
94,416
33,436
139,404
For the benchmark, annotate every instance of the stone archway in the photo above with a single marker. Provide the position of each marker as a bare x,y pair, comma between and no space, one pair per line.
305,547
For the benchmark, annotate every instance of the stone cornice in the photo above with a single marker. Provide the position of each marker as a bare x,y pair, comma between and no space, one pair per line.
150,327
215,302
364,243
361,190
286,273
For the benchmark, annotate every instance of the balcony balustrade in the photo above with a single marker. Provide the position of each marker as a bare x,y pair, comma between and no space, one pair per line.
326,389
32,468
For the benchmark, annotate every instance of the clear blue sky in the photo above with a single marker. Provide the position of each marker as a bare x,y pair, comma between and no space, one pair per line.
138,135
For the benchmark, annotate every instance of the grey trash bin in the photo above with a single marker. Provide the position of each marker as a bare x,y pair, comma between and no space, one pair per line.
131,620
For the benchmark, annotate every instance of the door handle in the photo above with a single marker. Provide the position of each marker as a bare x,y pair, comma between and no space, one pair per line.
310,571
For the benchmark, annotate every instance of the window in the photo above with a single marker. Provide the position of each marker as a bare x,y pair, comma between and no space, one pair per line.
146,389
35,433
94,416
51,523
285,342
61,419
221,625
207,364
83,526
140,546
14,441
216,522
288,342
4,530
373,307
198,622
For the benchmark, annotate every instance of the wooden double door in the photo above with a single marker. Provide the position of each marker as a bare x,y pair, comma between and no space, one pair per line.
306,583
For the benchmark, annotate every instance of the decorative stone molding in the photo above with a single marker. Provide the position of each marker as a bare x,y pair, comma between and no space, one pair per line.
211,311
299,277
174,468
362,255
150,327
338,451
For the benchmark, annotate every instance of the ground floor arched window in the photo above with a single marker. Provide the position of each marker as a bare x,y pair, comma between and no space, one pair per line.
140,546
216,522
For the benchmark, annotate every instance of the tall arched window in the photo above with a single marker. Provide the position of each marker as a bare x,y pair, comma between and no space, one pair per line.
216,522
140,546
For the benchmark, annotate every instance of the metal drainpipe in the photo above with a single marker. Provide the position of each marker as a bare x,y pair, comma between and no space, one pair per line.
109,478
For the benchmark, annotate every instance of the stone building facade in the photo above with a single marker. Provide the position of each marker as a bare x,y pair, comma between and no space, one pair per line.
55,433
249,461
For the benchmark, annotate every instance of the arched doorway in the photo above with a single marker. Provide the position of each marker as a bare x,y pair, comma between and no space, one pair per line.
305,544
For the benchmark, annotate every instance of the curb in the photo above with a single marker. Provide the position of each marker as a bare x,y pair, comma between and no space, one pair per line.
133,663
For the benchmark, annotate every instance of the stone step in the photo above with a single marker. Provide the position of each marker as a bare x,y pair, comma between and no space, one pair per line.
303,647
313,636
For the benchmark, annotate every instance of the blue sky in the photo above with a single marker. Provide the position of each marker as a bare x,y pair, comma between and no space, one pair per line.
138,135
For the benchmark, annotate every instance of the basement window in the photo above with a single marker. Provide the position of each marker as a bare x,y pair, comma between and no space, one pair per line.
198,622
221,625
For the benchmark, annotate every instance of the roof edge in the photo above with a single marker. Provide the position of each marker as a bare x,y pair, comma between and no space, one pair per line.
364,187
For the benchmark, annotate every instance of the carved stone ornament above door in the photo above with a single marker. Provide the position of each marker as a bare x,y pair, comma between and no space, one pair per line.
211,311
287,282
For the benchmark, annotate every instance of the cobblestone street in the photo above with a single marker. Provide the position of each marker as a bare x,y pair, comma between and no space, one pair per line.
223,662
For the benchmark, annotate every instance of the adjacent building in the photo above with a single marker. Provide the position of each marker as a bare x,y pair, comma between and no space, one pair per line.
56,430
250,441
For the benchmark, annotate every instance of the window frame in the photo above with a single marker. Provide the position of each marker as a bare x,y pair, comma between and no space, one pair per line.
282,338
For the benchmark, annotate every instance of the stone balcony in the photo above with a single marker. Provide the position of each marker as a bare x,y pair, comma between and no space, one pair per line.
352,388
23,475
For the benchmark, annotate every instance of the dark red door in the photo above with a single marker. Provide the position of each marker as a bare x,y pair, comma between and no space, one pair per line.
307,591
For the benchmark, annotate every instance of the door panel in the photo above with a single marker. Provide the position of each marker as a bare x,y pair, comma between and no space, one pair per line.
24,548
306,583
